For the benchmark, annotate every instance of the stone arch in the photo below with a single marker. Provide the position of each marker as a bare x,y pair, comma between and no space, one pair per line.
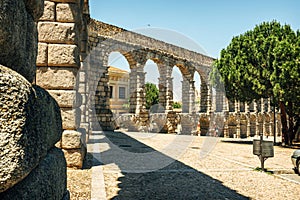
103,110
116,55
177,79
185,70
123,50
188,87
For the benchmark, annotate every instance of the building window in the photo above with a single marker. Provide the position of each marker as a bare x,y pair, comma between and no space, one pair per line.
122,93
111,91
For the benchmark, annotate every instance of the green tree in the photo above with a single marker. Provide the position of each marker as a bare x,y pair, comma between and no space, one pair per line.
152,94
177,105
263,63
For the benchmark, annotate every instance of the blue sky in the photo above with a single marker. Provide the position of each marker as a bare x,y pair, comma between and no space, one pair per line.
209,23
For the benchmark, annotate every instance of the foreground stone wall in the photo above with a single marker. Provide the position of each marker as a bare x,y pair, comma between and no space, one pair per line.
31,166
61,49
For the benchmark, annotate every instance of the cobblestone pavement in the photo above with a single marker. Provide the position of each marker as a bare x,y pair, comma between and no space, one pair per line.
162,166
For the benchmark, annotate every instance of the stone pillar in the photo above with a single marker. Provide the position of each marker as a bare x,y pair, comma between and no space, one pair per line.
137,88
263,113
205,103
226,104
137,96
262,104
237,106
58,64
247,110
95,69
140,85
132,89
83,90
256,119
192,108
84,73
102,105
169,95
188,96
209,99
238,115
185,95
165,87
271,114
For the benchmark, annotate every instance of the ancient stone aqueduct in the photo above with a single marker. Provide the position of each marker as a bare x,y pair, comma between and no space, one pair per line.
72,65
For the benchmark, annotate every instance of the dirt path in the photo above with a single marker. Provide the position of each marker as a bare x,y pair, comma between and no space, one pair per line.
160,166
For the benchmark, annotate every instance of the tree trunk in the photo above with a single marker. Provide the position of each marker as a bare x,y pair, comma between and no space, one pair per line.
292,123
291,130
297,129
285,137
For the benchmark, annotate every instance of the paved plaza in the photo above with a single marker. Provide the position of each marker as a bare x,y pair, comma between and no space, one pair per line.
163,166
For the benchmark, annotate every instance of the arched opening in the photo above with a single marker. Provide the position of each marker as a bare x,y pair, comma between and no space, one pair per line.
177,89
197,91
118,83
152,73
151,86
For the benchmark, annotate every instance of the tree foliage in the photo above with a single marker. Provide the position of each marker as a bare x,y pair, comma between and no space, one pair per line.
152,95
177,105
262,63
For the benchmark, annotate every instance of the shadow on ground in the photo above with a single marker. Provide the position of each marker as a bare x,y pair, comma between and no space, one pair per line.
174,181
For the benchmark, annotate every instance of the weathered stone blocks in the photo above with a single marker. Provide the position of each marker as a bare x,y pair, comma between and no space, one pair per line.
74,157
56,78
55,32
30,126
71,118
67,12
66,98
60,37
47,181
71,139
63,55
49,11
42,57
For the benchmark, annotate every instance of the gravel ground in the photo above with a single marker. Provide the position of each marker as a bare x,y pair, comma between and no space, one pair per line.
79,184
160,166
